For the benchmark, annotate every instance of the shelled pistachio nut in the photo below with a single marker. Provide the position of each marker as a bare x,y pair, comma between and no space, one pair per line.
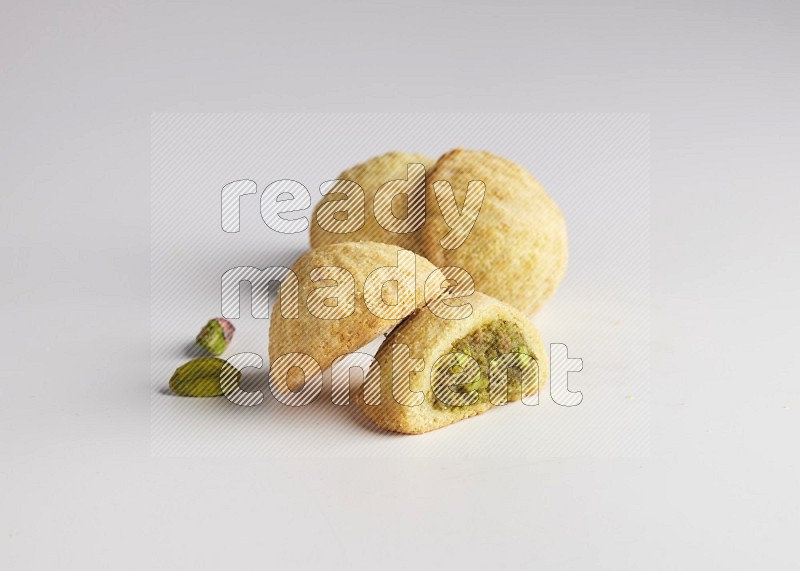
203,377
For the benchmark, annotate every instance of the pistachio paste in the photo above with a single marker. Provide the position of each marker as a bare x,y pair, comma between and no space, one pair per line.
481,347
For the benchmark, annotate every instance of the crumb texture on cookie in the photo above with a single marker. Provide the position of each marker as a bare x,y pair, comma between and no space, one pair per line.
326,339
371,175
517,249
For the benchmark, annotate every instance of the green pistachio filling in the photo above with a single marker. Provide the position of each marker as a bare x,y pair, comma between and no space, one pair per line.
484,345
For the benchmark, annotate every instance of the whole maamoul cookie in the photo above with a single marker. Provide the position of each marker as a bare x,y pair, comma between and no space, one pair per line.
315,328
494,329
371,175
517,250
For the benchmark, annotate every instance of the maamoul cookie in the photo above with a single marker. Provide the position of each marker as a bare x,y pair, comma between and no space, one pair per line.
371,176
517,249
462,371
339,303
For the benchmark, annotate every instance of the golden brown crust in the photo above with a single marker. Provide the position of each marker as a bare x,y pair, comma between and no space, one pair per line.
327,339
430,337
517,250
371,175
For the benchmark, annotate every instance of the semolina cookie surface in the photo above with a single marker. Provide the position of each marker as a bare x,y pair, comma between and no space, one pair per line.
371,175
517,249
318,332
430,337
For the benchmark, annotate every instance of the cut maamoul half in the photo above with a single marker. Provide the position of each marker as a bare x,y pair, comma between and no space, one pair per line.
467,366
371,175
340,297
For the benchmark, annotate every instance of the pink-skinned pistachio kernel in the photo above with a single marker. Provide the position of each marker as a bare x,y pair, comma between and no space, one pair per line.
215,335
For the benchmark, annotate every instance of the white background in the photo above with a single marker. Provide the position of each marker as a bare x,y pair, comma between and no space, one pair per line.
80,488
